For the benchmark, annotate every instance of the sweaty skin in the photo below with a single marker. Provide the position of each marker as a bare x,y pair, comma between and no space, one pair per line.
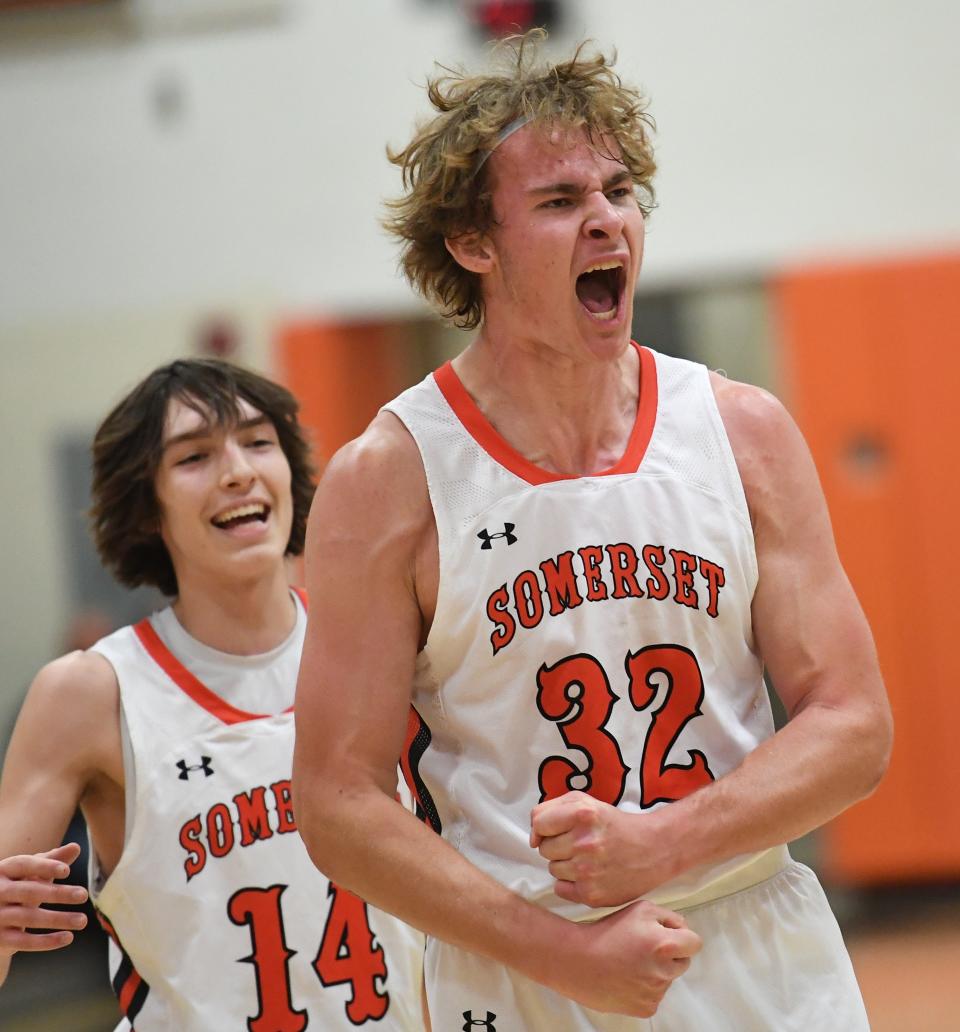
818,649
559,383
378,558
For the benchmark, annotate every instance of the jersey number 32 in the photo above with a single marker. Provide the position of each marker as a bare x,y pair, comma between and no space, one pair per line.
575,694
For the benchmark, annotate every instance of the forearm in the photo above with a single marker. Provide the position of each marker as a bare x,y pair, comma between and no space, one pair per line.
371,845
824,760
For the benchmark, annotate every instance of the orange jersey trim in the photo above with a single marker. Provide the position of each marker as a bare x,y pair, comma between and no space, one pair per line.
480,429
107,926
189,684
130,989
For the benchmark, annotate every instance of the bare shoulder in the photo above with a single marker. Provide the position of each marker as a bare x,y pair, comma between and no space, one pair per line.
751,415
385,450
376,480
767,444
73,702
67,738
78,679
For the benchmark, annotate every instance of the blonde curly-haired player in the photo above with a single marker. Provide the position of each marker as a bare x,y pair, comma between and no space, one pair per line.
575,556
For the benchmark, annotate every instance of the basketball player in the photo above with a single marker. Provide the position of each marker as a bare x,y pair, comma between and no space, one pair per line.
576,555
175,738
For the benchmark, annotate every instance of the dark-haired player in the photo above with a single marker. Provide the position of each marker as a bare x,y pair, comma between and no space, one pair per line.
175,739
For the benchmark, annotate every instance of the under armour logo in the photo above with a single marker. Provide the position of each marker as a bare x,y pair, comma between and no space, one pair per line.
469,1021
487,538
203,765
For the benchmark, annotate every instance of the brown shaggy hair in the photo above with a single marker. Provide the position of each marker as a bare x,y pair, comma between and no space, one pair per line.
127,449
447,189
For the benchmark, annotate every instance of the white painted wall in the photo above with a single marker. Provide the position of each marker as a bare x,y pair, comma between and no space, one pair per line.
791,131
57,379
787,130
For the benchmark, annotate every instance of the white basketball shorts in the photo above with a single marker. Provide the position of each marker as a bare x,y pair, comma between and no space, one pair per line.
773,960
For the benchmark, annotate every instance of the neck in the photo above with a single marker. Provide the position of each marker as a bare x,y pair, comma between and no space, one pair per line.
242,618
570,415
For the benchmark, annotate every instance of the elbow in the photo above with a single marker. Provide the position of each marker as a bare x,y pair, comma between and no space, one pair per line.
876,742
301,811
326,815
315,824
311,816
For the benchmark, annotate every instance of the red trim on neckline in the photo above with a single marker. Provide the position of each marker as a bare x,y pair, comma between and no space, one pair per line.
192,685
478,426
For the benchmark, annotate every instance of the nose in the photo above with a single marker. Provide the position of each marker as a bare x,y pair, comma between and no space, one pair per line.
603,221
236,470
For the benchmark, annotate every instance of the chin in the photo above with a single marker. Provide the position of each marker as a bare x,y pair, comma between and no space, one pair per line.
610,343
263,556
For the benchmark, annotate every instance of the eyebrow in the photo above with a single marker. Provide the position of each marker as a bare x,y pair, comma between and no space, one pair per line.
574,189
207,429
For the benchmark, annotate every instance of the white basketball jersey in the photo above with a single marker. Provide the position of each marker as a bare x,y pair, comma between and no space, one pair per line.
218,919
591,633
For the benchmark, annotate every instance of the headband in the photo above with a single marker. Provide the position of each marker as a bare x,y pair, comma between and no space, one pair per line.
506,132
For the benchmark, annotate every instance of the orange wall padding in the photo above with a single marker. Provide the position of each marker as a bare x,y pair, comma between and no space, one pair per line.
871,361
341,373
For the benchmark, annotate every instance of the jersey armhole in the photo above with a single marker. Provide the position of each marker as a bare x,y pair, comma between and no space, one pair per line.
98,881
738,492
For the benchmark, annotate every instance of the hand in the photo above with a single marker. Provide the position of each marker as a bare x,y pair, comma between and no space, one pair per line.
26,884
596,852
630,958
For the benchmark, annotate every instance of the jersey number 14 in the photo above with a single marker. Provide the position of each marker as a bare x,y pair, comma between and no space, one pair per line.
348,954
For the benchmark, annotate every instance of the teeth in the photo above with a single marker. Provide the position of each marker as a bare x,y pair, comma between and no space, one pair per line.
256,509
600,266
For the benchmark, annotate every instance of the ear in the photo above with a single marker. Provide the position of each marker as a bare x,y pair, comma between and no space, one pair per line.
471,251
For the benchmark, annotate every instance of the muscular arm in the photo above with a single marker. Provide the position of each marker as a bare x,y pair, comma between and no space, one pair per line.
55,758
817,646
370,548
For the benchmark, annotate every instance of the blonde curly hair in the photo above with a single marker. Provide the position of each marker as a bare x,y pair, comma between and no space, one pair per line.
445,178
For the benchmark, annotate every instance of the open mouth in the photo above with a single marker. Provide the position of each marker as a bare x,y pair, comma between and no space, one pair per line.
599,289
255,512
